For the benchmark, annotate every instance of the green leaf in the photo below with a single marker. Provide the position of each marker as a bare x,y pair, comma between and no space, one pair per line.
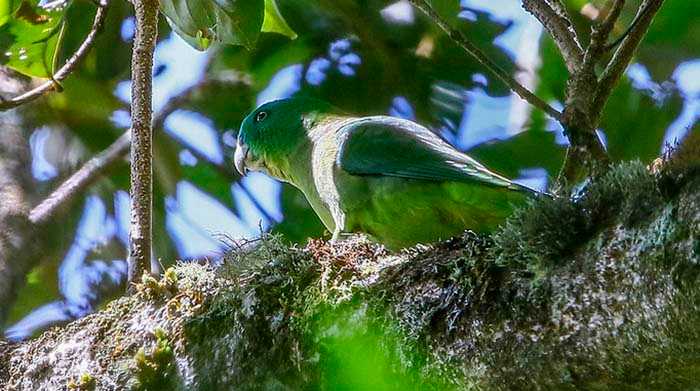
200,41
5,11
239,21
199,23
274,22
193,20
30,38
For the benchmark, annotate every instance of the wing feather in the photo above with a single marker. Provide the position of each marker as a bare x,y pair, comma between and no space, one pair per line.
396,147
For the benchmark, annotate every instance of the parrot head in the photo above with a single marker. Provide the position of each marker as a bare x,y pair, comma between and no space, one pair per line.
272,133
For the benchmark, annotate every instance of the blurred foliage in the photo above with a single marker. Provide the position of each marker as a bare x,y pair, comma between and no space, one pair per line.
351,53
30,35
673,38
635,123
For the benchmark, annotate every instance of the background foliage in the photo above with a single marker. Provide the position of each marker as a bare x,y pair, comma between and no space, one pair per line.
366,57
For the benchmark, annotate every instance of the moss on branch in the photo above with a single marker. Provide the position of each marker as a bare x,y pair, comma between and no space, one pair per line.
599,292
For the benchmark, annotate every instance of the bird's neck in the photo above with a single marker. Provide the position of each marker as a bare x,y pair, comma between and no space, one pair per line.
318,143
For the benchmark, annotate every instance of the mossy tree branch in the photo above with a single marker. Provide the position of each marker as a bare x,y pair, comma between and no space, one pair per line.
601,292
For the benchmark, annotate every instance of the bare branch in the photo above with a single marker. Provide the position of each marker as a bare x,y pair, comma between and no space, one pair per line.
560,29
80,180
141,233
68,67
482,59
623,55
600,34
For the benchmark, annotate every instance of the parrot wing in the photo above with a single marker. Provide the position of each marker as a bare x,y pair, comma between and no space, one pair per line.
396,147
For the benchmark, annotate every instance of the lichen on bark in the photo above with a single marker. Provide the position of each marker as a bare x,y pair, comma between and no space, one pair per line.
596,292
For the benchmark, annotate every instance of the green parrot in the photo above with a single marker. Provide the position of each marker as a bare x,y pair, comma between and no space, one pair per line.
386,177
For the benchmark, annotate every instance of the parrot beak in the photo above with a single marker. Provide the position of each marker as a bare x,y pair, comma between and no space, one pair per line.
240,157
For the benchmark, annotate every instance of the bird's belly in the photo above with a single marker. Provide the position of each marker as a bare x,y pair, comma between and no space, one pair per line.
401,212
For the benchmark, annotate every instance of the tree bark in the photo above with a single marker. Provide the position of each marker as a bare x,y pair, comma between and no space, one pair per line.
599,293
17,250
140,237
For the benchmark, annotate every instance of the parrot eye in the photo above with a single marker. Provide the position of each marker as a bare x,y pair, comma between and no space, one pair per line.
260,116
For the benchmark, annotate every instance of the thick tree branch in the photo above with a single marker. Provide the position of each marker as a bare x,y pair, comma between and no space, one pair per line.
560,28
461,314
140,235
17,250
68,67
623,55
483,59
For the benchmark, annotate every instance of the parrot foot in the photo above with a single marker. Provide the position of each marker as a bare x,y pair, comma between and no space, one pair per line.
341,237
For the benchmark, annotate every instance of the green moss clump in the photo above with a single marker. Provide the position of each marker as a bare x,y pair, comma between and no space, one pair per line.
550,229
164,288
155,369
252,320
85,383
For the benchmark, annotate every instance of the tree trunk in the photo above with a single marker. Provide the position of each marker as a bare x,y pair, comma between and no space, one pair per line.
598,293
17,250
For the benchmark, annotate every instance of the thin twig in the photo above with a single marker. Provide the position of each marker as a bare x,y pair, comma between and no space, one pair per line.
622,36
560,29
257,203
68,67
623,55
600,35
141,232
482,59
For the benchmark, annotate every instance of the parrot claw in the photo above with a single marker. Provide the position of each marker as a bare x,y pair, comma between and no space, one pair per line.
340,237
